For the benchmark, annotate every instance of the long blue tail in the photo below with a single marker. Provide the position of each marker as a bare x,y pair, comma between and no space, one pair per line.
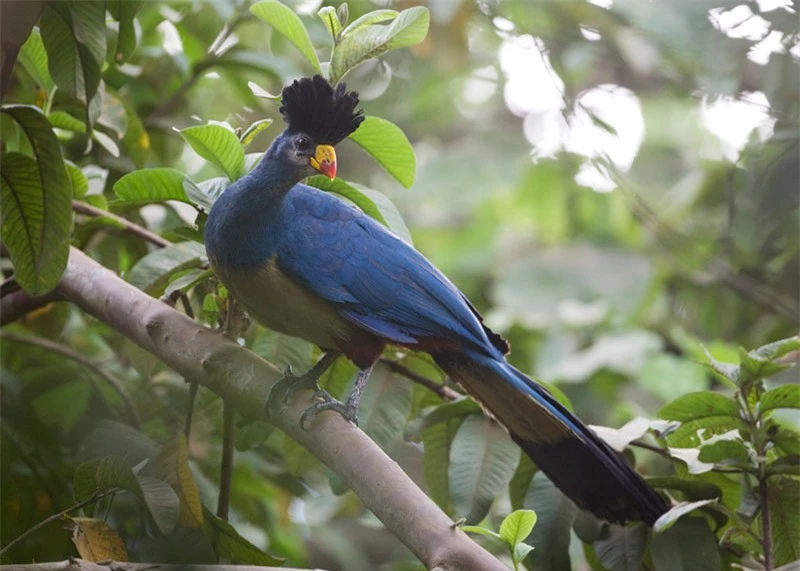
576,460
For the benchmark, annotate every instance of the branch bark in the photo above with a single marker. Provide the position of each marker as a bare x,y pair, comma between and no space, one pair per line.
239,375
81,565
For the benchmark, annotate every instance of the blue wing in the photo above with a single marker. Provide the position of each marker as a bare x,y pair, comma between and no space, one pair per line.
376,280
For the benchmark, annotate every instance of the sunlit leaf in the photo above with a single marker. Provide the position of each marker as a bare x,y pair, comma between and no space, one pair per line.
63,120
151,273
33,57
373,17
253,131
348,191
387,144
785,396
700,405
409,28
95,540
328,16
151,185
517,526
555,514
784,497
285,21
217,144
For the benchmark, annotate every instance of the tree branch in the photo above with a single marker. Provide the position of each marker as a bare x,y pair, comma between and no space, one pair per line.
18,304
81,565
127,225
444,392
245,379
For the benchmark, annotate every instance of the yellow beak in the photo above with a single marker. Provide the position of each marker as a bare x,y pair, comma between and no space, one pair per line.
324,160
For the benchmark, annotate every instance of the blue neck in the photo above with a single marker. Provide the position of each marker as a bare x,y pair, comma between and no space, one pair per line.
245,223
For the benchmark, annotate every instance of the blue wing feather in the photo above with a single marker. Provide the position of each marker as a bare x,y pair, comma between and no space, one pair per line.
377,281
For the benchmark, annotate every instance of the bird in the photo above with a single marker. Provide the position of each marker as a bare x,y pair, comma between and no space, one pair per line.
307,264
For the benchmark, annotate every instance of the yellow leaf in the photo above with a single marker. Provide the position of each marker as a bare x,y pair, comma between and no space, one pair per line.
96,540
172,466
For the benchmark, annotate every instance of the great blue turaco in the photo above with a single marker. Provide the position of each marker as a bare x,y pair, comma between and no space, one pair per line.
306,264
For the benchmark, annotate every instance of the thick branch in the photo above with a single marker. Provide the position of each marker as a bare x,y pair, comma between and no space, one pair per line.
81,565
245,379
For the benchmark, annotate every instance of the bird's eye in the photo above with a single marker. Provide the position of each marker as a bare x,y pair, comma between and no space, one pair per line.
303,144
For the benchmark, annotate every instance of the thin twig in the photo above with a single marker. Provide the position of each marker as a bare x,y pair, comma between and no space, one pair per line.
226,469
69,353
444,392
96,496
127,225
19,303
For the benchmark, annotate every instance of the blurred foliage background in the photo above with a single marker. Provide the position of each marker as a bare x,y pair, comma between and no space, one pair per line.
614,184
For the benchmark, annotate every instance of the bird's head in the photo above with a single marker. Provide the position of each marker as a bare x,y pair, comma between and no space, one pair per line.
318,117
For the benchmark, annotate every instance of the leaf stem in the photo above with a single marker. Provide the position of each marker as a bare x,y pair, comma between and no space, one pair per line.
127,225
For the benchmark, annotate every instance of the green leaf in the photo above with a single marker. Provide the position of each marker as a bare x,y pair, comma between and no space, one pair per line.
786,439
253,131
688,546
328,16
555,514
218,144
691,433
459,408
784,396
389,212
482,460
230,545
700,405
622,549
521,481
725,450
374,17
89,26
80,184
784,497
725,370
73,65
172,466
480,531
36,204
385,406
367,42
151,185
387,144
668,376
348,191
754,367
436,441
676,512
785,465
517,526
205,194
63,120
187,281
282,350
151,273
285,21
33,58
124,12
776,350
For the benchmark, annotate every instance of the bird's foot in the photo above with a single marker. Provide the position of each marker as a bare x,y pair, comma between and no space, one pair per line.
326,402
286,387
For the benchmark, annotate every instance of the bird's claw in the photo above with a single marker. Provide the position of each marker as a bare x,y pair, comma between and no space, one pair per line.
285,388
327,402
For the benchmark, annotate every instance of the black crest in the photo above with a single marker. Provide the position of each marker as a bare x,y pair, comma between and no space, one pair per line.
313,107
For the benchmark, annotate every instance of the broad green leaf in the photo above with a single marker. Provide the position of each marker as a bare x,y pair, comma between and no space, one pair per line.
555,514
785,465
384,406
328,16
374,17
161,501
689,545
460,408
691,433
49,405
172,466
33,58
367,42
89,26
700,405
187,281
124,12
776,350
785,396
676,512
63,120
348,191
151,185
722,450
282,350
95,540
285,21
436,441
229,544
521,481
205,194
73,65
387,144
151,273
517,526
727,371
622,549
753,366
253,131
104,474
784,497
36,204
217,144
80,184
786,439
482,461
